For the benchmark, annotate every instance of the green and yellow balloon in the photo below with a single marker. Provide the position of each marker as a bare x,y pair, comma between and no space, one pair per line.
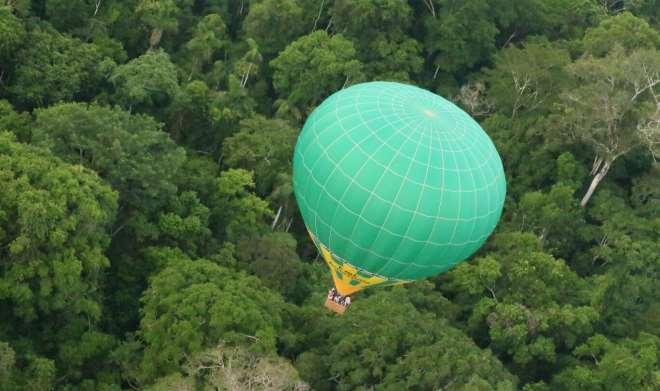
395,184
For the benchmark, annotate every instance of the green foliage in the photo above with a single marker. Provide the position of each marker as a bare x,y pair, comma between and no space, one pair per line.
69,15
402,353
129,151
452,39
378,30
645,197
53,68
555,217
273,24
273,258
533,305
194,305
150,238
147,82
624,365
159,14
208,38
18,123
625,30
367,19
525,80
54,221
241,212
12,33
314,66
264,146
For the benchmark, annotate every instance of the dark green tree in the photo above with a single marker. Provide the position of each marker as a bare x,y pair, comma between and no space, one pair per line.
194,305
54,229
53,68
312,67
147,83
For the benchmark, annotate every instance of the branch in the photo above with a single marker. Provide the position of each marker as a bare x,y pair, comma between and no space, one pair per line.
319,15
98,5
429,5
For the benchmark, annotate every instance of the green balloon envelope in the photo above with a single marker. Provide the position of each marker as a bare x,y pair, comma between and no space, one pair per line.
396,180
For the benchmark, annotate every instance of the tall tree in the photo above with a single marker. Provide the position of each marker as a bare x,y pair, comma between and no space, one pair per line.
54,229
385,342
625,30
13,33
314,66
54,68
273,24
454,41
209,37
148,82
194,305
630,364
614,107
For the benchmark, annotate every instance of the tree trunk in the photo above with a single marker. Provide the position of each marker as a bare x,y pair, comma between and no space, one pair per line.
318,16
277,218
594,182
154,37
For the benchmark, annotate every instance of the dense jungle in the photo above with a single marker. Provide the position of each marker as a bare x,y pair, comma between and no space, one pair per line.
150,238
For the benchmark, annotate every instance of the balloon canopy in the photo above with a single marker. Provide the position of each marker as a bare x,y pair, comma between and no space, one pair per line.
395,184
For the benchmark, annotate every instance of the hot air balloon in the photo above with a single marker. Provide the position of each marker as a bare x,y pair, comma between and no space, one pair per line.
395,184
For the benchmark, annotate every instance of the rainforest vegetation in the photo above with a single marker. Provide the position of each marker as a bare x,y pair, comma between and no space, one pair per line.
150,239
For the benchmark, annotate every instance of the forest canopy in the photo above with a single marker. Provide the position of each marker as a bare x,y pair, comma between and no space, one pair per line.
150,237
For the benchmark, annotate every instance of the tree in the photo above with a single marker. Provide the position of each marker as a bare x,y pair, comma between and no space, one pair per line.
250,63
384,342
234,368
54,68
555,217
624,268
273,24
264,146
18,123
366,20
141,162
72,15
208,38
524,304
13,34
312,67
189,118
273,258
228,108
191,306
605,365
54,230
454,41
147,82
614,106
159,15
129,151
239,213
645,197
625,30
527,79
393,60
378,29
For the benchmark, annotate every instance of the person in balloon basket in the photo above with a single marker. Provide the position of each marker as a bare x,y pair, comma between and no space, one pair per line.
339,299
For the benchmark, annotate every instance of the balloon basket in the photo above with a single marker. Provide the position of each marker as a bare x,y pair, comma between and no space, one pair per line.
335,307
